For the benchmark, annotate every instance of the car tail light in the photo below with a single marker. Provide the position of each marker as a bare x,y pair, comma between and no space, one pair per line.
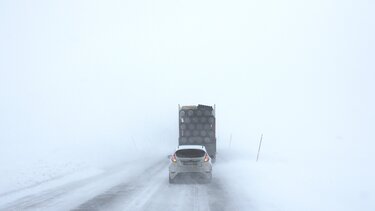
206,158
173,158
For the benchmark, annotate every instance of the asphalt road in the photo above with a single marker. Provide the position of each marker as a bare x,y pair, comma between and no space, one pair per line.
148,189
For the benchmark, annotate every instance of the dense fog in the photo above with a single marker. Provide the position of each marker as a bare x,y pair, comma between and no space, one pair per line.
96,83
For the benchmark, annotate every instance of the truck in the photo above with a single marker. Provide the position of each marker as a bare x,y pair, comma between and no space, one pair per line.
197,126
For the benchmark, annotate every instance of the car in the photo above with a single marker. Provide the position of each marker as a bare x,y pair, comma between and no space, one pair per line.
190,159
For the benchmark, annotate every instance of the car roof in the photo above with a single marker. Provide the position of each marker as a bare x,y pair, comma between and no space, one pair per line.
191,147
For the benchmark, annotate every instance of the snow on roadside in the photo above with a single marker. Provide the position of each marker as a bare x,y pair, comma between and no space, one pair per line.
47,184
324,181
29,170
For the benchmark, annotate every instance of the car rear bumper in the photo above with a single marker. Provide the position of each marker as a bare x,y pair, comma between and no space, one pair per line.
175,170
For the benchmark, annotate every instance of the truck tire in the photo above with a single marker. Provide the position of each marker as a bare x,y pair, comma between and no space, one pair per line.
183,126
190,112
203,133
187,120
199,140
195,132
199,126
203,119
184,140
187,133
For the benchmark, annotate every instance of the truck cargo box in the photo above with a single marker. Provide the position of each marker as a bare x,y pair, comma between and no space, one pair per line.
197,126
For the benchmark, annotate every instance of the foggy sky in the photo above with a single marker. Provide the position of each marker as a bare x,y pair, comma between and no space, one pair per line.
78,71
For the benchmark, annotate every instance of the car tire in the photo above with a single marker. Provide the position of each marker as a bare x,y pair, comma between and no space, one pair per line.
171,181
209,178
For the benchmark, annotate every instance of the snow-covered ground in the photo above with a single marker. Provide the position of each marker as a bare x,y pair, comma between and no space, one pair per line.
316,182
278,181
26,167
89,93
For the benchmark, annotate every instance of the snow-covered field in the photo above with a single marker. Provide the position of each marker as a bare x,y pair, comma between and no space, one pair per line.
313,182
89,93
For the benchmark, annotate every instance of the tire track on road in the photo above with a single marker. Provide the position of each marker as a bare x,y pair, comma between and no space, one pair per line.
121,193
151,191
49,199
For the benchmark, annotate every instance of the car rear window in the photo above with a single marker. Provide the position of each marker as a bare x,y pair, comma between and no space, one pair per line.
190,153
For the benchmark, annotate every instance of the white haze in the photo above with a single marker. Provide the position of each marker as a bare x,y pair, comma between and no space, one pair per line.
100,82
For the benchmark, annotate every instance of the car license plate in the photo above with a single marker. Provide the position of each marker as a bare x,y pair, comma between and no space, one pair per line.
190,163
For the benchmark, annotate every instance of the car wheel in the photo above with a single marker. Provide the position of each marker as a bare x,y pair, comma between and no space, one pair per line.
209,178
171,181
